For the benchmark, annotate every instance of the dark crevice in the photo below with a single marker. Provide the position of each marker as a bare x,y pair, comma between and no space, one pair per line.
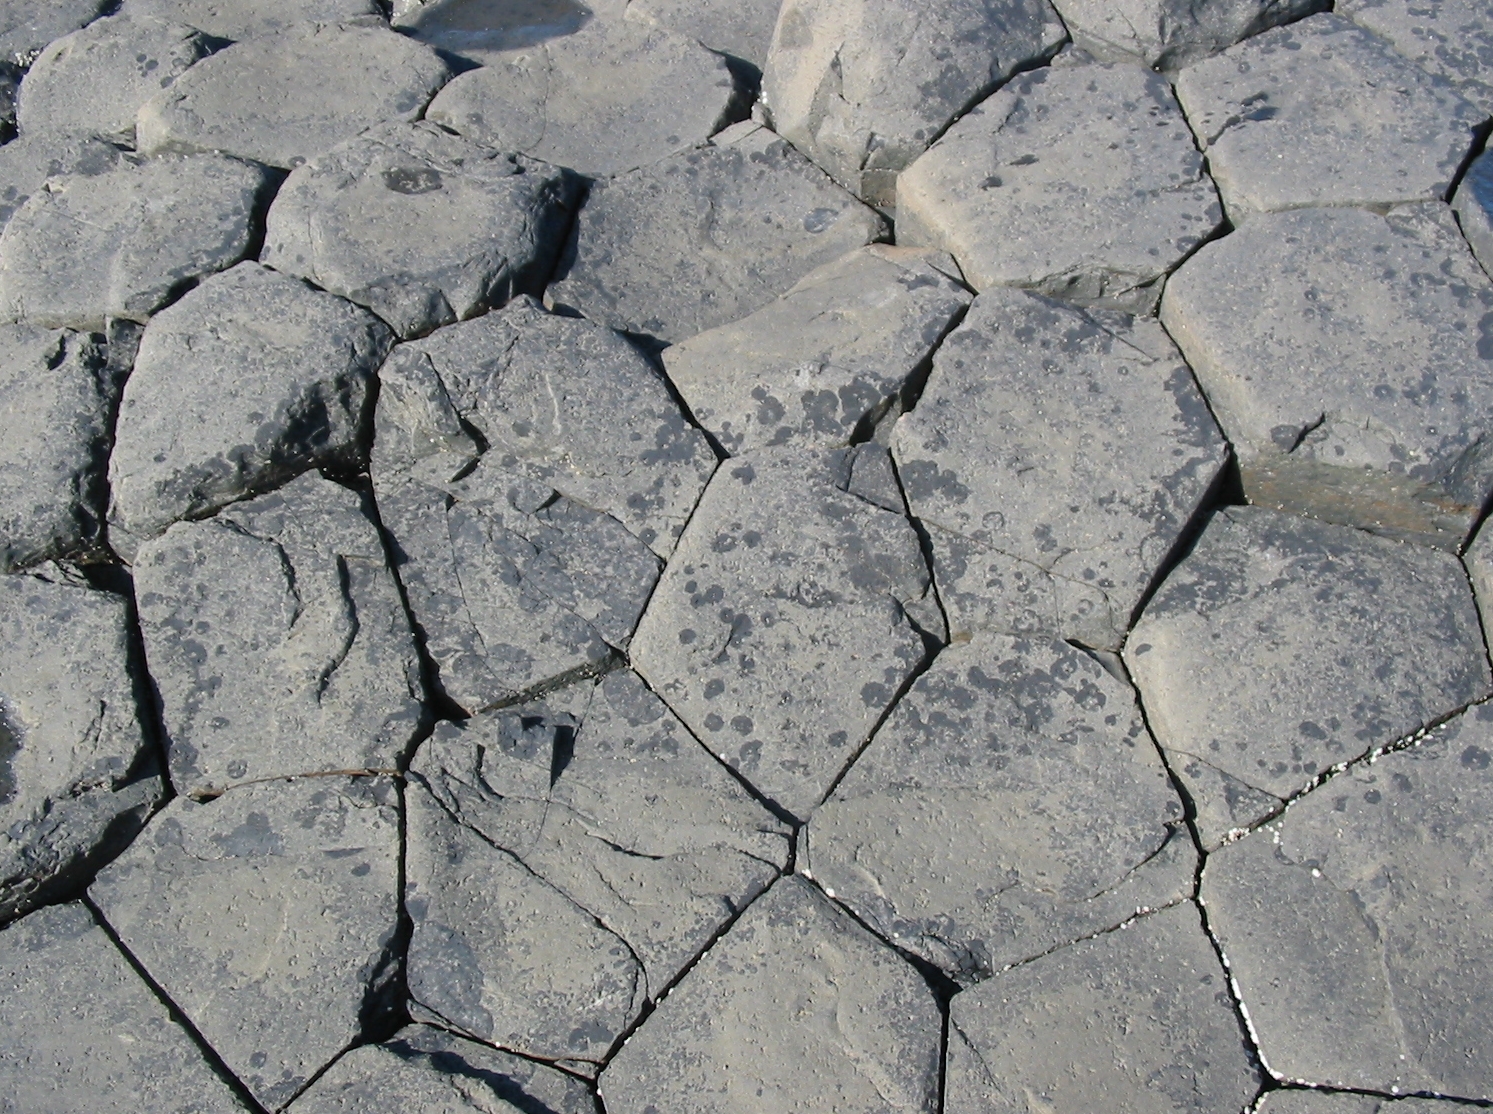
1386,1096
1480,136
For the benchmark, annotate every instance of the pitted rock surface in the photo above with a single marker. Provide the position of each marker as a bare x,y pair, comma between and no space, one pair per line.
26,26
1473,203
739,28
27,162
249,19
1451,39
1167,34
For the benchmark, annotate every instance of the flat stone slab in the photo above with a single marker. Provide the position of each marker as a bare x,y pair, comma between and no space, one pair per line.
796,1008
422,227
1138,1019
1168,34
862,88
249,380
285,97
421,1070
1079,181
825,361
78,776
787,621
249,19
739,28
268,916
1473,203
611,98
28,161
610,847
26,26
1281,647
529,552
1365,125
707,236
1012,803
1060,454
1451,39
84,1032
124,242
1340,1102
1354,927
277,640
1346,356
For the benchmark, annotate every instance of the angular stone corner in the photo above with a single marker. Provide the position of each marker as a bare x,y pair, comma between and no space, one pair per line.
739,28
1473,204
1168,34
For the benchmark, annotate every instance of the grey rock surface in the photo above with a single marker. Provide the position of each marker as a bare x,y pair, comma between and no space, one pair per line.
1473,204
28,161
1354,926
288,96
1305,1101
1013,803
277,640
788,620
480,31
740,28
1346,356
78,776
828,358
1079,181
1168,34
26,26
96,79
531,470
707,236
1451,39
251,379
123,243
796,1009
863,87
1281,647
421,1070
267,915
1138,1019
84,1032
422,227
1066,449
249,19
1365,125
613,97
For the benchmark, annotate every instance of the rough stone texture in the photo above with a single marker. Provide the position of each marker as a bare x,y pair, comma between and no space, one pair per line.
1168,34
788,620
827,359
1346,356
421,1070
1451,39
1473,203
57,400
1079,181
1281,647
531,469
1329,1102
613,97
277,640
1355,927
27,162
797,1009
422,227
291,95
83,1032
1059,453
267,915
77,775
249,380
707,237
739,28
567,861
96,79
863,86
1012,803
249,19
1364,126
125,242
1137,1019
28,25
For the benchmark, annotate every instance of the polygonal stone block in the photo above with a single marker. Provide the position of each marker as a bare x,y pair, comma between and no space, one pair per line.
1450,39
1167,34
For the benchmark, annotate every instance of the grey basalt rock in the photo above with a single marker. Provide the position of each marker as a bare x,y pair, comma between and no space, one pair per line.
1079,181
78,776
125,242
1056,455
1013,803
84,1032
481,31
1451,39
290,95
1473,204
1281,647
249,19
613,97
1137,1019
707,236
1354,926
863,86
1346,356
248,381
28,161
797,1008
269,917
277,640
741,29
420,226
1304,1101
826,360
26,26
567,861
1168,34
1365,126
531,470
